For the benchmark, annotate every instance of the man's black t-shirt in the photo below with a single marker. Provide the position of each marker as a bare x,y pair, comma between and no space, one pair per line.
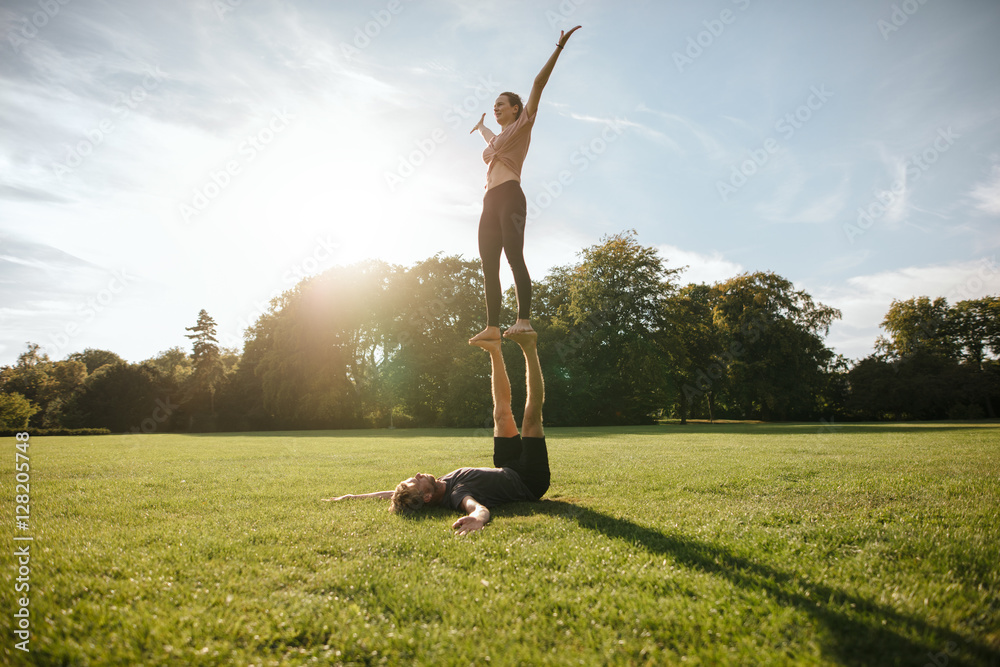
488,486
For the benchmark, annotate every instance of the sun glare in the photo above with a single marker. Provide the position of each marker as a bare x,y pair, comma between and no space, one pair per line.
328,180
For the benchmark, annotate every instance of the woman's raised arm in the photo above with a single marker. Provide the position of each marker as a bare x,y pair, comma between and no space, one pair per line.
531,106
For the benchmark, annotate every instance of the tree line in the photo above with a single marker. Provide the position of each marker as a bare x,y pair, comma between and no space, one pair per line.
622,341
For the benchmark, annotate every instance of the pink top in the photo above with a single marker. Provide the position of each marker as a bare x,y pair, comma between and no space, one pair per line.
510,146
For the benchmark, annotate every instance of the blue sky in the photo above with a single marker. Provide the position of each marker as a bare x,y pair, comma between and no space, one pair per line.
160,158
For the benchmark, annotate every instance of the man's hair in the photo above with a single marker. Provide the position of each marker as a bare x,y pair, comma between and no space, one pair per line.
514,100
406,499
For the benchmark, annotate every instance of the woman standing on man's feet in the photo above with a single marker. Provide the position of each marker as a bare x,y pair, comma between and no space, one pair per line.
501,227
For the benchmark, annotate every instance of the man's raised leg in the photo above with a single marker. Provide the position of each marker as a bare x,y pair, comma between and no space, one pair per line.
531,425
533,464
504,425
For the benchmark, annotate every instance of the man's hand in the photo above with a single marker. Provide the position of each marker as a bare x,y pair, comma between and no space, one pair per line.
468,524
476,517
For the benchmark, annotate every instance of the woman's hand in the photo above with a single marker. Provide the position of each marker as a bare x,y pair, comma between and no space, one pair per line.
543,77
479,125
347,497
564,36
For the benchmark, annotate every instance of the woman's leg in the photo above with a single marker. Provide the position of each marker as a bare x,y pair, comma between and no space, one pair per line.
490,247
513,218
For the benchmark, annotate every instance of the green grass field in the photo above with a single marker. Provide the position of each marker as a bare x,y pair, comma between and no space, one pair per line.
705,544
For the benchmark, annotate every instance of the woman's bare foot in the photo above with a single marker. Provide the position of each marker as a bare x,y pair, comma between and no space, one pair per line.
489,333
520,327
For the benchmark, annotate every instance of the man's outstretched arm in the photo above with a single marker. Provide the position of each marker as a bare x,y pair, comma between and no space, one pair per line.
378,494
476,517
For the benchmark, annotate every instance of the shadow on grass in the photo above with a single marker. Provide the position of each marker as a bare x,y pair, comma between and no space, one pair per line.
869,633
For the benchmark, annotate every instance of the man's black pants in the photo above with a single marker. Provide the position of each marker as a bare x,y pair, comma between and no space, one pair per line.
528,457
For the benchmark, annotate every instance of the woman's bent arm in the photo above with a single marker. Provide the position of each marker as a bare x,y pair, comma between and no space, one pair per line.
483,130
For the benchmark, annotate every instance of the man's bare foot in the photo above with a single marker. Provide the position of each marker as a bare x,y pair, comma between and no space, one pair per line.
520,327
490,344
489,333
526,339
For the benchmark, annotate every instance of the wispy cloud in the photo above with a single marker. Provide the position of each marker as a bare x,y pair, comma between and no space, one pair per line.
865,299
802,196
710,147
790,184
986,195
30,194
826,207
700,267
645,130
894,192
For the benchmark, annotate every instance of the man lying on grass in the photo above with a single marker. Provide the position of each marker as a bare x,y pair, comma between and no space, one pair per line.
521,460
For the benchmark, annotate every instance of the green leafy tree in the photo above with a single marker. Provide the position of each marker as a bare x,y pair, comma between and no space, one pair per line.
242,399
922,385
119,397
315,354
174,370
173,363
992,316
695,349
933,362
65,378
45,383
435,377
774,356
94,359
29,377
567,390
15,411
206,360
919,324
974,325
614,316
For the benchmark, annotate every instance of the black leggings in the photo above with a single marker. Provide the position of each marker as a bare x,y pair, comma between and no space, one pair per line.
528,457
501,228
